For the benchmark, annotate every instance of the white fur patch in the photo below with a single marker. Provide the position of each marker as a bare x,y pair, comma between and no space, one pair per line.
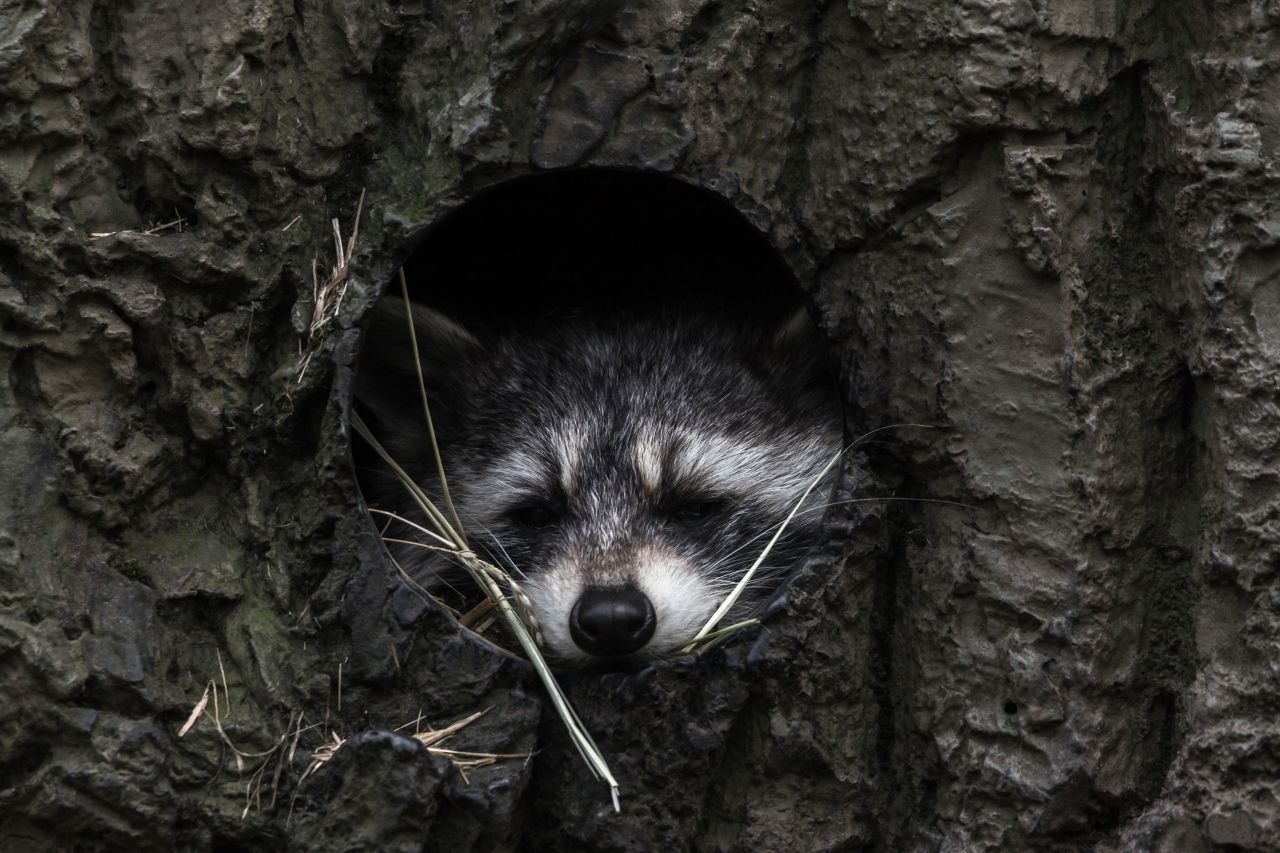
682,600
507,482
553,592
568,444
774,472
646,455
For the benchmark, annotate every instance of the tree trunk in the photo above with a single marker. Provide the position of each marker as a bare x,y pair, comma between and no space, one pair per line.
1046,229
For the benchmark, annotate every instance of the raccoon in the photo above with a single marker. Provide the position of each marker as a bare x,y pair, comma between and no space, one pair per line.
627,471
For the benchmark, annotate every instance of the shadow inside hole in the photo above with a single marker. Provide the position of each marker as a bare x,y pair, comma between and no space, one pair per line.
598,239
567,245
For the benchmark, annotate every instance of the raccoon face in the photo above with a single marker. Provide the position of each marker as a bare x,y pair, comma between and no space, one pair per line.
626,474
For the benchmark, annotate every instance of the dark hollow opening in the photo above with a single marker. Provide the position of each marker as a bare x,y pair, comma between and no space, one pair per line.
561,245
597,239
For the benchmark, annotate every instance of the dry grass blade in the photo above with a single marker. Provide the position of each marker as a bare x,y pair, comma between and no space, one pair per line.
321,756
178,224
727,630
484,574
418,527
327,297
414,585
426,410
488,757
708,631
475,614
173,224
281,750
736,592
487,576
462,760
434,736
444,529
196,712
265,769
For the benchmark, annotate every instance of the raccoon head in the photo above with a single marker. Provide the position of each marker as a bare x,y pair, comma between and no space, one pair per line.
626,472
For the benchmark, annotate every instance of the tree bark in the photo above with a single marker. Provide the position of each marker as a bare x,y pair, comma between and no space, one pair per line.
1047,228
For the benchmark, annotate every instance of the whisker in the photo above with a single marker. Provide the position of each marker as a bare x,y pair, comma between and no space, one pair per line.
506,556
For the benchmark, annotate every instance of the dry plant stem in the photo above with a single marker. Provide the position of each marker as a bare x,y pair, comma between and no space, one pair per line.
327,298
196,712
159,229
456,530
434,736
424,502
253,788
149,232
725,631
426,409
437,548
736,593
497,574
482,573
475,614
462,760
579,735
419,588
418,527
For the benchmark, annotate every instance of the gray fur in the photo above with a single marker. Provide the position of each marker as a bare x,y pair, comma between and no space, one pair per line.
609,451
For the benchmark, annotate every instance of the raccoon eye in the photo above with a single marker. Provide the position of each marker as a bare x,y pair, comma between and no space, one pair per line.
533,515
694,511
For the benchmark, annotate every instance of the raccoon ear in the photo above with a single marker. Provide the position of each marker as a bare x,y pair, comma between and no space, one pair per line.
441,333
798,359
795,344
796,333
386,379
436,333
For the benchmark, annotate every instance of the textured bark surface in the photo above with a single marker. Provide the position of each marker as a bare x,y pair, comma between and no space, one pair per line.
1048,227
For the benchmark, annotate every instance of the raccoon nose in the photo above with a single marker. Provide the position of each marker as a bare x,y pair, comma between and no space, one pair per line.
612,621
